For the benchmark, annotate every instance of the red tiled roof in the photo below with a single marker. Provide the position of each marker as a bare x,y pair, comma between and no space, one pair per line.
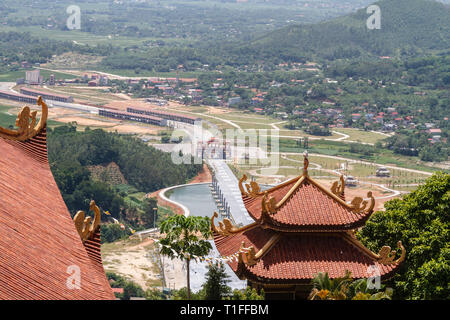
308,208
117,290
299,257
38,239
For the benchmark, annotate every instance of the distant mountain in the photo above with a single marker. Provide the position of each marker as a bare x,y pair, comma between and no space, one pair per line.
408,28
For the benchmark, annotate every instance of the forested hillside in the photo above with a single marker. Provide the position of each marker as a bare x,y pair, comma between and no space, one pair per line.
145,168
408,27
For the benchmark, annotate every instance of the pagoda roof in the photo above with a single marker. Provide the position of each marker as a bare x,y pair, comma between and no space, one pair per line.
269,257
40,247
301,229
303,204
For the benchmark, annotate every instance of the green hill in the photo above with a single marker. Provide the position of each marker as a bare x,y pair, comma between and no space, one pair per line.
408,27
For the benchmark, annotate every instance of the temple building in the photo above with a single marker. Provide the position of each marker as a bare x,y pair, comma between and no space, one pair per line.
301,228
44,254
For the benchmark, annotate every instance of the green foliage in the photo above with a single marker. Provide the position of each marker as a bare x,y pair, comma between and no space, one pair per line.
216,286
182,294
344,288
421,221
349,37
154,294
150,212
181,236
130,289
248,294
145,168
182,239
112,232
358,290
336,289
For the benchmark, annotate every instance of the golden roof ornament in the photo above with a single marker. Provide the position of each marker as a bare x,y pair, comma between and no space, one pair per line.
26,123
386,255
359,205
84,226
338,187
305,163
253,189
226,227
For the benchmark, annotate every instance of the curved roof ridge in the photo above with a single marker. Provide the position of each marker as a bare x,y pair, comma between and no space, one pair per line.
39,243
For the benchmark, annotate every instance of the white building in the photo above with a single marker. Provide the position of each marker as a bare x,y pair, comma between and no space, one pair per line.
33,76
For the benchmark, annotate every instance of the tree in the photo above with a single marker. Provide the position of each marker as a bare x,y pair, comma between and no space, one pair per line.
216,282
182,239
131,289
421,221
111,232
248,294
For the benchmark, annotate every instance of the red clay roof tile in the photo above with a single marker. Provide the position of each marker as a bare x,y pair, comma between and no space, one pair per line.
308,208
299,257
38,239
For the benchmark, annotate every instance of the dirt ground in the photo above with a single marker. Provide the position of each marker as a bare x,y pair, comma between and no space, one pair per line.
135,129
132,259
85,121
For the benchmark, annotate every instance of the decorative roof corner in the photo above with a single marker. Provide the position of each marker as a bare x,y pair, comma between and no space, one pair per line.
338,188
253,189
26,123
84,226
226,227
358,205
268,205
385,256
249,256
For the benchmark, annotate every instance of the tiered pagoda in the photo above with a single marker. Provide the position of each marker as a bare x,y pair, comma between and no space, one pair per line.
301,228
44,254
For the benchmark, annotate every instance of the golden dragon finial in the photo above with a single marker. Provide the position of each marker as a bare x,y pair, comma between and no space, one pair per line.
358,205
84,226
386,255
26,123
338,187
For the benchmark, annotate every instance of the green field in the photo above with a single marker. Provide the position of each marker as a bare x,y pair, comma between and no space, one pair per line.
6,119
362,136
12,76
83,38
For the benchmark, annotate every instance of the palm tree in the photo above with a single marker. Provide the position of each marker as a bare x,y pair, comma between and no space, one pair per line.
183,240
345,288
333,289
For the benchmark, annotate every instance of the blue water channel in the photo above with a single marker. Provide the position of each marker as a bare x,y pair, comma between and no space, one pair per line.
197,198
